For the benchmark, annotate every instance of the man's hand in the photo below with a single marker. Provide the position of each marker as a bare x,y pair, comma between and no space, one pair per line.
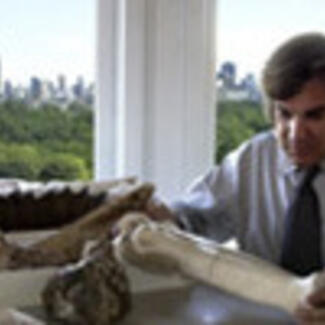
159,211
155,209
312,310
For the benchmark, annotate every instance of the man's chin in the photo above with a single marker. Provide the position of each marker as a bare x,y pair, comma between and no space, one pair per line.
303,160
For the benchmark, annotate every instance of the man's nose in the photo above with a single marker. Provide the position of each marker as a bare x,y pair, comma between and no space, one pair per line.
297,128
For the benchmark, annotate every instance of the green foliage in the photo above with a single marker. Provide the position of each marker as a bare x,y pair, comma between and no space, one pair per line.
34,141
64,167
20,161
49,142
237,121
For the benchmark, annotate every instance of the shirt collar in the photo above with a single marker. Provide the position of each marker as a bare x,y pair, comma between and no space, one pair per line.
286,167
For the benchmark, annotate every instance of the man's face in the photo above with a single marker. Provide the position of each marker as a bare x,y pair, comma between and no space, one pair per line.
300,124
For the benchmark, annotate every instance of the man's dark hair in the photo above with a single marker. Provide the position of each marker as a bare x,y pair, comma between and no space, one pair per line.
295,62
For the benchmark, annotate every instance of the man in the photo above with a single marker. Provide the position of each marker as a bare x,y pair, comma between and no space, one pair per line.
248,195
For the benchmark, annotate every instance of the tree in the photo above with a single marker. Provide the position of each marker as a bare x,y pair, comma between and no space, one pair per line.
237,121
48,130
19,161
64,167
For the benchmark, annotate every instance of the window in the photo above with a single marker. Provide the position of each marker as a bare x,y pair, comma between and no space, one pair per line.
47,67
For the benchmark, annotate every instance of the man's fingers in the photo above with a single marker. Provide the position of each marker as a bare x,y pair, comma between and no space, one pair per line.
317,298
310,315
312,309
304,314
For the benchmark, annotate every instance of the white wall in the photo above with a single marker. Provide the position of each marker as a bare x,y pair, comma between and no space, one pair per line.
156,90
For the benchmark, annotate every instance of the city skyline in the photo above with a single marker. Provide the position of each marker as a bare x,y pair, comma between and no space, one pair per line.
27,79
78,77
39,91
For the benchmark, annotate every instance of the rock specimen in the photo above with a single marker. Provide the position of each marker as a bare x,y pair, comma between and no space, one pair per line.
93,291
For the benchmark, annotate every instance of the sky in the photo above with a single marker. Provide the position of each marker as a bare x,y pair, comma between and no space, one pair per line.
45,38
249,30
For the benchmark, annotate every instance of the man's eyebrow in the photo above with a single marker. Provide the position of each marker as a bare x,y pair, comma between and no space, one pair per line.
316,110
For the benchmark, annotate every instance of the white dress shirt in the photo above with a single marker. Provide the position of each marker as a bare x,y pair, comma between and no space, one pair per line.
246,197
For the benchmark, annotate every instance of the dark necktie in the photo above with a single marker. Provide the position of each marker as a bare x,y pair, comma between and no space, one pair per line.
301,250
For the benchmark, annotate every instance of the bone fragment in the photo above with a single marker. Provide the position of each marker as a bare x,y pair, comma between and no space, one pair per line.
149,244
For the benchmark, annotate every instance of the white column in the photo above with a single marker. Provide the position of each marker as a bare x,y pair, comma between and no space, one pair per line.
106,88
156,90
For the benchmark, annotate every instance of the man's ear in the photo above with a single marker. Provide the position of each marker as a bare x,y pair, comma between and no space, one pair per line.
268,108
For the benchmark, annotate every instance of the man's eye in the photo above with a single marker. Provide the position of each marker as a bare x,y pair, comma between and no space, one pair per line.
284,114
315,115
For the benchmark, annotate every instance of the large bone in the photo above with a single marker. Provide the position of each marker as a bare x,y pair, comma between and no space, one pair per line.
150,245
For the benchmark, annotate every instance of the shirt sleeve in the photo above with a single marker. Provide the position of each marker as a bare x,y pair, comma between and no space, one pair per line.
208,207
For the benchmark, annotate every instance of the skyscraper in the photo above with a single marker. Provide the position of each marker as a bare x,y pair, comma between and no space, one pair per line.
62,83
35,89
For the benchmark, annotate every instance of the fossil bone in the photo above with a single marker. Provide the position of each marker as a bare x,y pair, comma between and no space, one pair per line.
163,247
37,206
66,245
